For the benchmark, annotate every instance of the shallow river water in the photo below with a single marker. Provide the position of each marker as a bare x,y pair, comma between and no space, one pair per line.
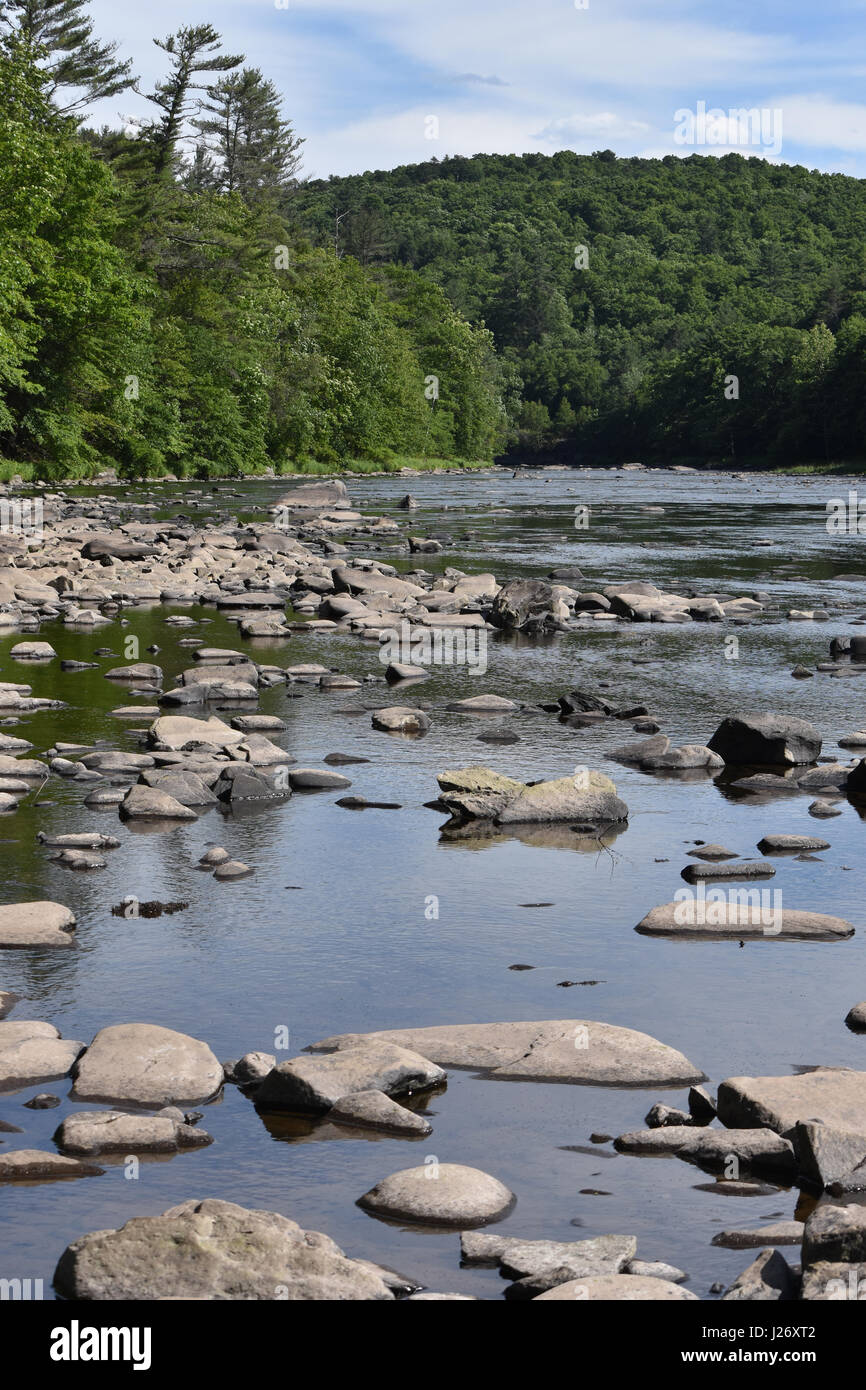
330,934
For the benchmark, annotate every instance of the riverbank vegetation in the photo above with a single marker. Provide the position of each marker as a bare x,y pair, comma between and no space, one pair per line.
161,309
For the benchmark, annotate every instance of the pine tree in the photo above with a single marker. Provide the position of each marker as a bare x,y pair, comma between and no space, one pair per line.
193,49
257,150
59,34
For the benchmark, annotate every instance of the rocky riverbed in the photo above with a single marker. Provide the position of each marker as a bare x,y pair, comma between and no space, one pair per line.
323,814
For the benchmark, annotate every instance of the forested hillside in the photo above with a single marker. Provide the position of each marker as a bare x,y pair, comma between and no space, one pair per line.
161,309
622,293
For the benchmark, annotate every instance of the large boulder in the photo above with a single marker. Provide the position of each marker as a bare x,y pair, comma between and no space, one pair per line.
315,1083
521,600
572,1050
145,1064
213,1250
771,740
830,1096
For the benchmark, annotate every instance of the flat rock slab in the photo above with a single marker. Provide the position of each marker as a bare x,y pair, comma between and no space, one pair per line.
831,1096
785,844
179,731
620,1288
742,868
759,1150
36,924
29,1165
316,1083
445,1194
145,1064
568,1050
375,1110
778,1233
31,1052
316,779
214,1250
93,1132
537,1265
712,852
719,916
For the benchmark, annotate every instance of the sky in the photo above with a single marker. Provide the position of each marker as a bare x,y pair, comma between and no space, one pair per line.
371,84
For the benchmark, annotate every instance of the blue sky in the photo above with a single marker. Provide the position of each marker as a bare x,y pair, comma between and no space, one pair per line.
363,78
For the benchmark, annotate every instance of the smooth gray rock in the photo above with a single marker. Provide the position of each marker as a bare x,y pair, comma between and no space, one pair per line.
552,1050
93,1132
747,917
374,1110
31,1052
149,803
30,1165
316,1083
40,924
316,779
619,1288
784,844
740,868
441,1194
252,1067
213,1250
146,1064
